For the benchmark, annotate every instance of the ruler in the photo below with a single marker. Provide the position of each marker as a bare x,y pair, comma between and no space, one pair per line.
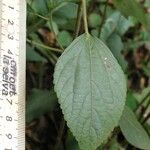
12,74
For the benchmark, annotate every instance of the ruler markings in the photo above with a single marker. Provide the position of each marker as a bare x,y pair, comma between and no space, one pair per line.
12,74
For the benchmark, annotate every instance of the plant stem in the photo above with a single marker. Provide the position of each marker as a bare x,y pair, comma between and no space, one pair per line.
52,29
146,118
103,18
142,101
147,105
38,15
51,25
145,108
61,131
44,46
32,28
79,17
85,16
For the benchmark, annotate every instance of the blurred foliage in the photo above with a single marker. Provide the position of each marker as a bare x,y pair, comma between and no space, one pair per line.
39,103
51,26
133,131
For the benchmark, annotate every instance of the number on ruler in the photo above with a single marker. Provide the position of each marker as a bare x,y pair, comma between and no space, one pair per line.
11,7
9,136
8,118
11,22
11,37
10,77
10,101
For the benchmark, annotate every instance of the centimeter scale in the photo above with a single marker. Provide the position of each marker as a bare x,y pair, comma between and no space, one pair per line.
12,74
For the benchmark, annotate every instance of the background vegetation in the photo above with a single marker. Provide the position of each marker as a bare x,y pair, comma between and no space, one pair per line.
52,25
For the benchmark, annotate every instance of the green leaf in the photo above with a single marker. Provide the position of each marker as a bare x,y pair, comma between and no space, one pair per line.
95,32
68,25
115,44
122,25
32,55
68,11
64,38
147,3
71,143
39,102
140,96
133,8
146,69
91,88
133,130
54,26
45,8
115,23
131,101
40,6
94,20
115,26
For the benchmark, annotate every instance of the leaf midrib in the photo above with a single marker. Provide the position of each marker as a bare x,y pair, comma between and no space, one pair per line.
91,120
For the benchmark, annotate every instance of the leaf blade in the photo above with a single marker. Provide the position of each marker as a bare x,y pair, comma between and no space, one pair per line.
133,131
133,8
86,92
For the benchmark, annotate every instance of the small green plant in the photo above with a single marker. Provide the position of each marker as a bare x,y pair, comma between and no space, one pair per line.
90,75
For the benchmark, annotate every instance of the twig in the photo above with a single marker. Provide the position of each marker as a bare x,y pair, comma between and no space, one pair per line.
48,55
34,27
145,109
38,15
52,29
103,18
44,46
146,118
79,17
61,131
142,101
147,105
51,25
